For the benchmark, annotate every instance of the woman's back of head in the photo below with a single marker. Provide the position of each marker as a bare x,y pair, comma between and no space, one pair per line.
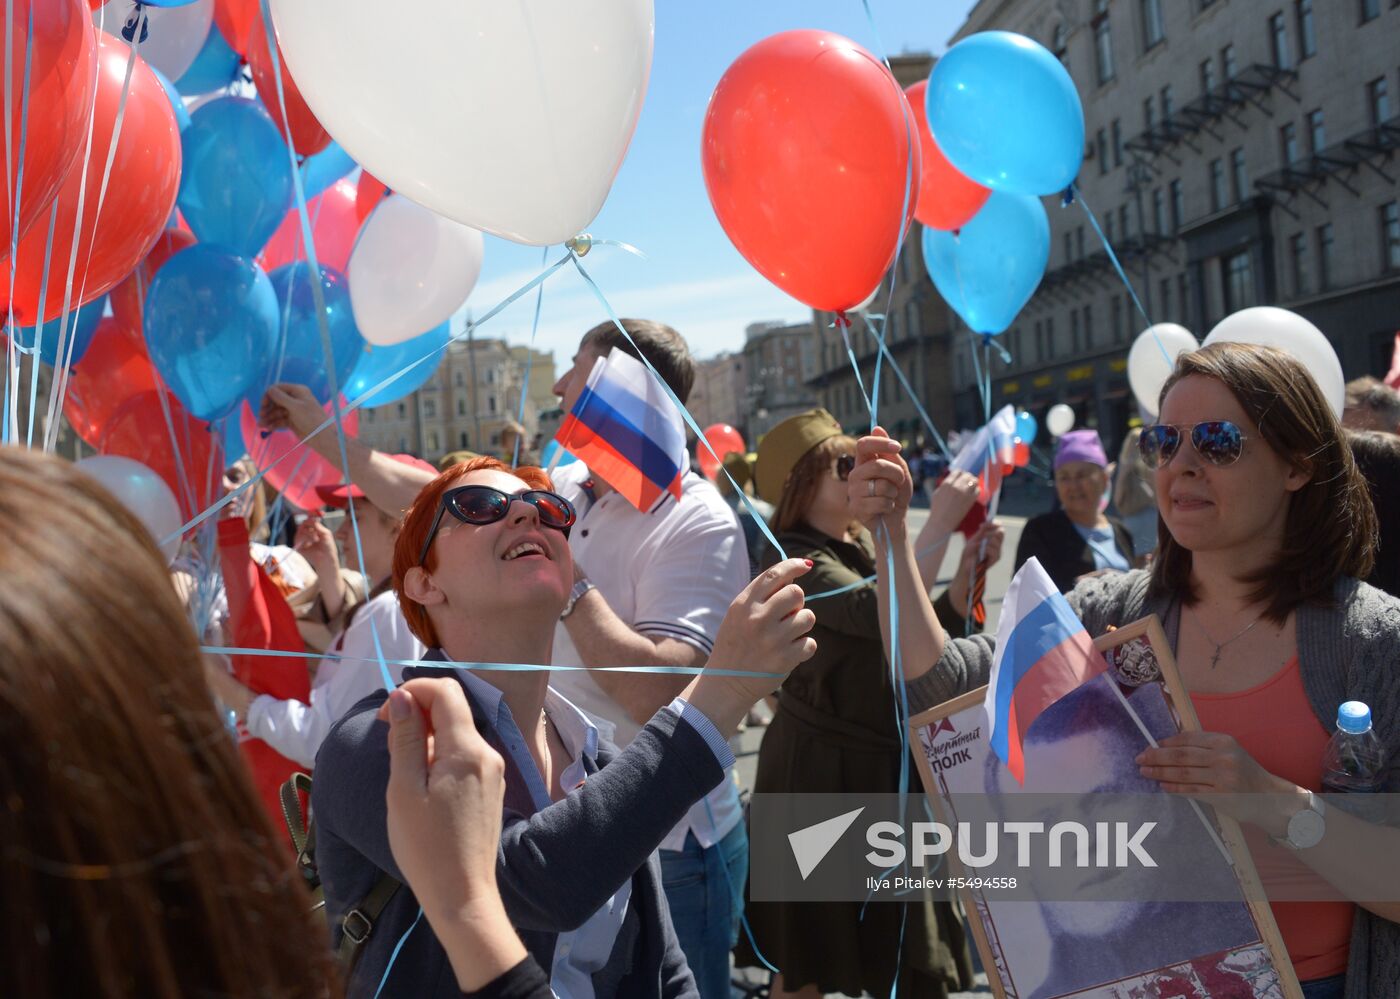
1378,457
136,859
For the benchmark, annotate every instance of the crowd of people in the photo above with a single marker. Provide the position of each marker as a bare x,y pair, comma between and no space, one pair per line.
488,827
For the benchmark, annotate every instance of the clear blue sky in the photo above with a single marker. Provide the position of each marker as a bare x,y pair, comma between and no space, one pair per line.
693,278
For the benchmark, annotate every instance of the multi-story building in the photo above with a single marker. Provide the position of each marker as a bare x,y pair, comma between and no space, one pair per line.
778,361
719,391
471,400
918,328
1237,153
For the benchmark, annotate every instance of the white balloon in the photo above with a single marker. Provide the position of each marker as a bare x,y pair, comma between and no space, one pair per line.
410,271
174,35
1151,359
1060,420
1291,333
509,117
142,492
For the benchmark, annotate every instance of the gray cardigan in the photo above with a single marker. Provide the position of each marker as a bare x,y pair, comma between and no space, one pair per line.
1346,652
555,867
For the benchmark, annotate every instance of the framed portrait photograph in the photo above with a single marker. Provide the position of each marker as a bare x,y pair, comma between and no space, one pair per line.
1122,936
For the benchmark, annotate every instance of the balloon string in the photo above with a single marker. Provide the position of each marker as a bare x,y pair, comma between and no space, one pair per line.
844,325
908,388
684,411
39,330
322,323
16,195
529,365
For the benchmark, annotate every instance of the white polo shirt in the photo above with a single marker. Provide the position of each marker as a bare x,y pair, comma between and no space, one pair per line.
668,573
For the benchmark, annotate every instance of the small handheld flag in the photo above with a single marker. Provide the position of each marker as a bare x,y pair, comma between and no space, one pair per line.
990,451
627,431
1043,653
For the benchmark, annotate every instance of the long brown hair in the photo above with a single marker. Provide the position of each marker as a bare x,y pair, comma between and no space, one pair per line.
1330,529
136,857
806,478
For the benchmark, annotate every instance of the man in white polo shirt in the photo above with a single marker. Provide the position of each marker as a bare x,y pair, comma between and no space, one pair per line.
651,588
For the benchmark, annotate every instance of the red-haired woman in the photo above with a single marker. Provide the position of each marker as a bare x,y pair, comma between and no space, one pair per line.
483,570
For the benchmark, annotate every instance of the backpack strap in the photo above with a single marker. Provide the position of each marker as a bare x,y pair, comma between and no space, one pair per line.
357,924
299,826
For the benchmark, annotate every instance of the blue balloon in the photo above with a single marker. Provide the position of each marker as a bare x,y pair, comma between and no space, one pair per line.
990,268
1004,111
378,363
550,449
80,331
236,182
213,69
182,115
1026,427
302,357
234,446
324,169
211,328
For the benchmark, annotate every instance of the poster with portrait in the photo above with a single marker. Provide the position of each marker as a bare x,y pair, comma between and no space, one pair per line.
1051,944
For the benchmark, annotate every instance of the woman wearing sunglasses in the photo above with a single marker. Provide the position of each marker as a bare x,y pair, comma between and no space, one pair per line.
1265,530
482,569
834,729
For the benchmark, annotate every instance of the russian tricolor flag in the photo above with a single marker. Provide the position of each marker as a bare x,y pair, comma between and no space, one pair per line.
990,451
625,429
1043,653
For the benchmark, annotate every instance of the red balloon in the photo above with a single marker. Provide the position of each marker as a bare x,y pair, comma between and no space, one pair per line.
140,194
334,225
114,369
307,136
137,430
725,440
296,475
235,22
129,297
947,199
809,155
1022,451
61,72
370,190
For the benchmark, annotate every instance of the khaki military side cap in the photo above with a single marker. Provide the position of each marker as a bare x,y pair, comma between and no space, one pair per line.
783,447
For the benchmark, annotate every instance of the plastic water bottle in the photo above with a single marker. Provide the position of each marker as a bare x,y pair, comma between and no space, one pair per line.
1355,757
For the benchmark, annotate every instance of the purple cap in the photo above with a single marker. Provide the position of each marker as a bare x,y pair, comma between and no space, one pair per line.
1081,445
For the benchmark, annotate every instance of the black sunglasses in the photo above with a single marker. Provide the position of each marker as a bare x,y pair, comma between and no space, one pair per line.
1218,442
844,466
482,505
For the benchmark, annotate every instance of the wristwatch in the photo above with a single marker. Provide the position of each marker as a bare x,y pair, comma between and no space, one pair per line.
1306,827
580,588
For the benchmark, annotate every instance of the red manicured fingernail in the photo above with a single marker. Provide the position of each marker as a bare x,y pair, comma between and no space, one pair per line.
808,561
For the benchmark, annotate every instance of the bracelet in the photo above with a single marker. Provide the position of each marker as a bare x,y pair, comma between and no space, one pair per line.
580,588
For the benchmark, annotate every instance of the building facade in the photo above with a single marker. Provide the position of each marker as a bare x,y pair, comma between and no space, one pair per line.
719,391
469,403
778,361
1238,153
918,332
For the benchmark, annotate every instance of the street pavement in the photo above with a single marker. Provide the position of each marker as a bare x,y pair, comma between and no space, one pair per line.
746,743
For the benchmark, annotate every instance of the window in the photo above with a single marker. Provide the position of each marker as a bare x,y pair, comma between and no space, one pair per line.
1324,256
1164,289
1370,9
1239,176
1115,318
1298,258
1149,114
457,379
403,411
1278,41
1117,129
429,408
1183,299
1101,150
1039,342
1227,62
1059,43
369,415
1069,248
490,403
434,442
1088,327
1103,41
1239,281
1307,34
1076,348
1159,212
1164,97
1317,134
1108,229
1125,222
461,406
490,376
1079,241
403,443
1178,205
1050,338
1288,143
1207,76
462,440
1152,33
1390,236
1217,185
1378,97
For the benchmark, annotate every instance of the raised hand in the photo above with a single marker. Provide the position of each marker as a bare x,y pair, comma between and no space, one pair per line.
288,406
880,486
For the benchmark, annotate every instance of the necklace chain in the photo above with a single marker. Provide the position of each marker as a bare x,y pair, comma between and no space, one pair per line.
1220,646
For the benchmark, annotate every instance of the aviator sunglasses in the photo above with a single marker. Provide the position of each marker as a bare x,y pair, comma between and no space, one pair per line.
482,505
844,466
1218,442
